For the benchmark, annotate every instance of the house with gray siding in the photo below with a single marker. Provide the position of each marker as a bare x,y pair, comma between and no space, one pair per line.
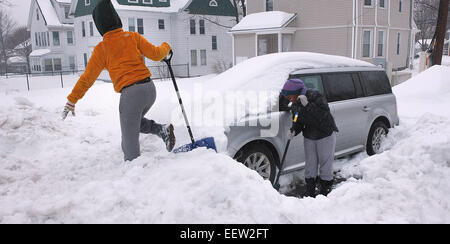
377,31
197,31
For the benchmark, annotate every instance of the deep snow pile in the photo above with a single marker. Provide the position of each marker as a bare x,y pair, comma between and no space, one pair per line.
428,91
72,172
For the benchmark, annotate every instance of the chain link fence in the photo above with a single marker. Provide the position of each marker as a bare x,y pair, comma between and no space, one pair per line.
65,75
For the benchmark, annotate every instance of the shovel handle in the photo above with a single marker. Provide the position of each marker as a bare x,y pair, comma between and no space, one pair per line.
168,58
276,185
174,82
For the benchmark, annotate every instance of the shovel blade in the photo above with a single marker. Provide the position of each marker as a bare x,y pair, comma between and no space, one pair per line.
205,142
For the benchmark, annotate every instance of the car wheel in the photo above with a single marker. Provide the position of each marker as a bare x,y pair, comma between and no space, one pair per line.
260,158
377,132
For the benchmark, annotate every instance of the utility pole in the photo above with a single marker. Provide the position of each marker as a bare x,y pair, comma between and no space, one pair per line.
440,32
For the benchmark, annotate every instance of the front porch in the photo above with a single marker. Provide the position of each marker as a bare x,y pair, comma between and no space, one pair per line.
264,33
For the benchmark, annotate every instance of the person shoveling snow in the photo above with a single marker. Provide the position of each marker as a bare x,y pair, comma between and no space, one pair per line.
121,54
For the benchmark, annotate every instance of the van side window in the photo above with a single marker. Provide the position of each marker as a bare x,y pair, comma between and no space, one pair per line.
312,81
339,86
358,86
376,83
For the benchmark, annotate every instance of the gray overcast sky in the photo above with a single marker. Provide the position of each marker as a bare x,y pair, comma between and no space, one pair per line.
19,11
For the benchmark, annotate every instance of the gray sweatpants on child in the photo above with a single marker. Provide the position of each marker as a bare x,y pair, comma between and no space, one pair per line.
319,157
135,101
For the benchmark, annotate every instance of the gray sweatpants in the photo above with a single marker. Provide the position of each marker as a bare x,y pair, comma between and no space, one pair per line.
135,101
319,157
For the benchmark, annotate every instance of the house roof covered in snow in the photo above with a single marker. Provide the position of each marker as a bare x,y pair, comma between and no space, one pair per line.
16,60
39,52
49,13
264,21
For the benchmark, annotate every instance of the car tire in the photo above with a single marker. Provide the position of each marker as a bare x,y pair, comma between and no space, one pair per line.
377,131
260,158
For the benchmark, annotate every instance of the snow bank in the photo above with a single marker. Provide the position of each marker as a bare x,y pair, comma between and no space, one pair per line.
55,172
428,91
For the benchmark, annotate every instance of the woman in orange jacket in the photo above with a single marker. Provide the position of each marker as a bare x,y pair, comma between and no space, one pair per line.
121,53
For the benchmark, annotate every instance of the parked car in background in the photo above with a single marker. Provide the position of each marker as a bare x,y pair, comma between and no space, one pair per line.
361,101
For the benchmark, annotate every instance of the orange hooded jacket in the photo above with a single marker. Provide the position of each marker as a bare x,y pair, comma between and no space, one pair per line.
121,53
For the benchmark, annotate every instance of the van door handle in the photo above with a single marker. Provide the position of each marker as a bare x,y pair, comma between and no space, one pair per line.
366,109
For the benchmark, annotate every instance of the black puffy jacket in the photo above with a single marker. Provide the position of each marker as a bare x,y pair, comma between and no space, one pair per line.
314,120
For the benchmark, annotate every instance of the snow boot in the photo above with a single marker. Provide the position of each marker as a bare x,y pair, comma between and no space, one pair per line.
325,186
168,136
310,187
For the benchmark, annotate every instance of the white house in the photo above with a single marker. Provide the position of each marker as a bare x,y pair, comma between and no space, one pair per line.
197,30
52,37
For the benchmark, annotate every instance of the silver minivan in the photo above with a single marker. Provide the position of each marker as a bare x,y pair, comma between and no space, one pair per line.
363,106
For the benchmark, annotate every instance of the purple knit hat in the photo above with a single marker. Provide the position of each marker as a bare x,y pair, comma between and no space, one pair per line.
294,86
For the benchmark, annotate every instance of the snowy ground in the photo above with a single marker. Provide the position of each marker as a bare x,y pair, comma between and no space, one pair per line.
54,171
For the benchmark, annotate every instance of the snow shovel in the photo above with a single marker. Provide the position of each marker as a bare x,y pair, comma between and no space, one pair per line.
205,142
276,185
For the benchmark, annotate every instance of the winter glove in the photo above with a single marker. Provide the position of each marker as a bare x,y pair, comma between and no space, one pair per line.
292,133
303,99
70,107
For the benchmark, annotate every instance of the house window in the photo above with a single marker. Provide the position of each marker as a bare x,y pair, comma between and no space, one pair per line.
87,2
192,26
85,59
91,28
202,26
140,26
367,37
36,38
83,29
380,44
203,57
55,38
287,40
40,41
269,5
66,11
267,44
368,3
214,42
46,40
398,43
43,39
400,6
72,62
48,64
48,37
37,14
131,26
193,57
147,1
70,37
381,4
57,64
161,24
